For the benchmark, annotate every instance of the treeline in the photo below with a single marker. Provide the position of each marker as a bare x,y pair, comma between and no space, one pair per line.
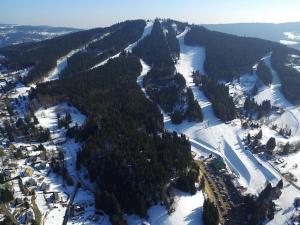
261,110
289,76
117,38
218,94
163,84
262,208
210,213
227,56
264,73
193,112
126,150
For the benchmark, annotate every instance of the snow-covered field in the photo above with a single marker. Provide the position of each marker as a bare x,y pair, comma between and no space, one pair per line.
272,92
48,116
188,211
291,38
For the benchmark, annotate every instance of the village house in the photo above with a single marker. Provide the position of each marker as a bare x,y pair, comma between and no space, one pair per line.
44,186
29,216
31,182
55,197
28,172
77,210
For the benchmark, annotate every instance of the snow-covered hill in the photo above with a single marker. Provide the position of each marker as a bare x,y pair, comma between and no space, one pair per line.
284,33
11,34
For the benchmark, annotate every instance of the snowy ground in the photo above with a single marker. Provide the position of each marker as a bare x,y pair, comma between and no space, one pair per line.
188,211
85,195
294,62
272,92
238,88
48,116
291,38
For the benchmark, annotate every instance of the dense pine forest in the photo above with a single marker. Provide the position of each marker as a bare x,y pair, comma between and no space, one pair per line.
264,73
126,151
218,94
227,56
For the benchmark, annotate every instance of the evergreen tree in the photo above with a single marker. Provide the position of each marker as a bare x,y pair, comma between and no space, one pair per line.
271,144
210,213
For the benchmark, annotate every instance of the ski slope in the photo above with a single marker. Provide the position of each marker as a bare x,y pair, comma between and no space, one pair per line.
147,31
272,92
214,136
62,63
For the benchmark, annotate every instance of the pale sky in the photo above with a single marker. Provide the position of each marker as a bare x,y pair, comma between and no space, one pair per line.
95,13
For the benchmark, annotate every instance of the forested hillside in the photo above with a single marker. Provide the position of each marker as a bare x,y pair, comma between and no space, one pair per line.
227,56
264,73
113,42
126,151
42,56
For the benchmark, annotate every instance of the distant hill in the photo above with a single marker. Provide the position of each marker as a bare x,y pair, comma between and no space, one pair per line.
285,33
11,34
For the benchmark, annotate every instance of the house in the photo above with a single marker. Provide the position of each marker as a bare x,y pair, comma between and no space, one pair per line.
29,216
44,186
19,201
4,177
28,172
31,159
41,166
55,197
43,155
77,210
31,182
